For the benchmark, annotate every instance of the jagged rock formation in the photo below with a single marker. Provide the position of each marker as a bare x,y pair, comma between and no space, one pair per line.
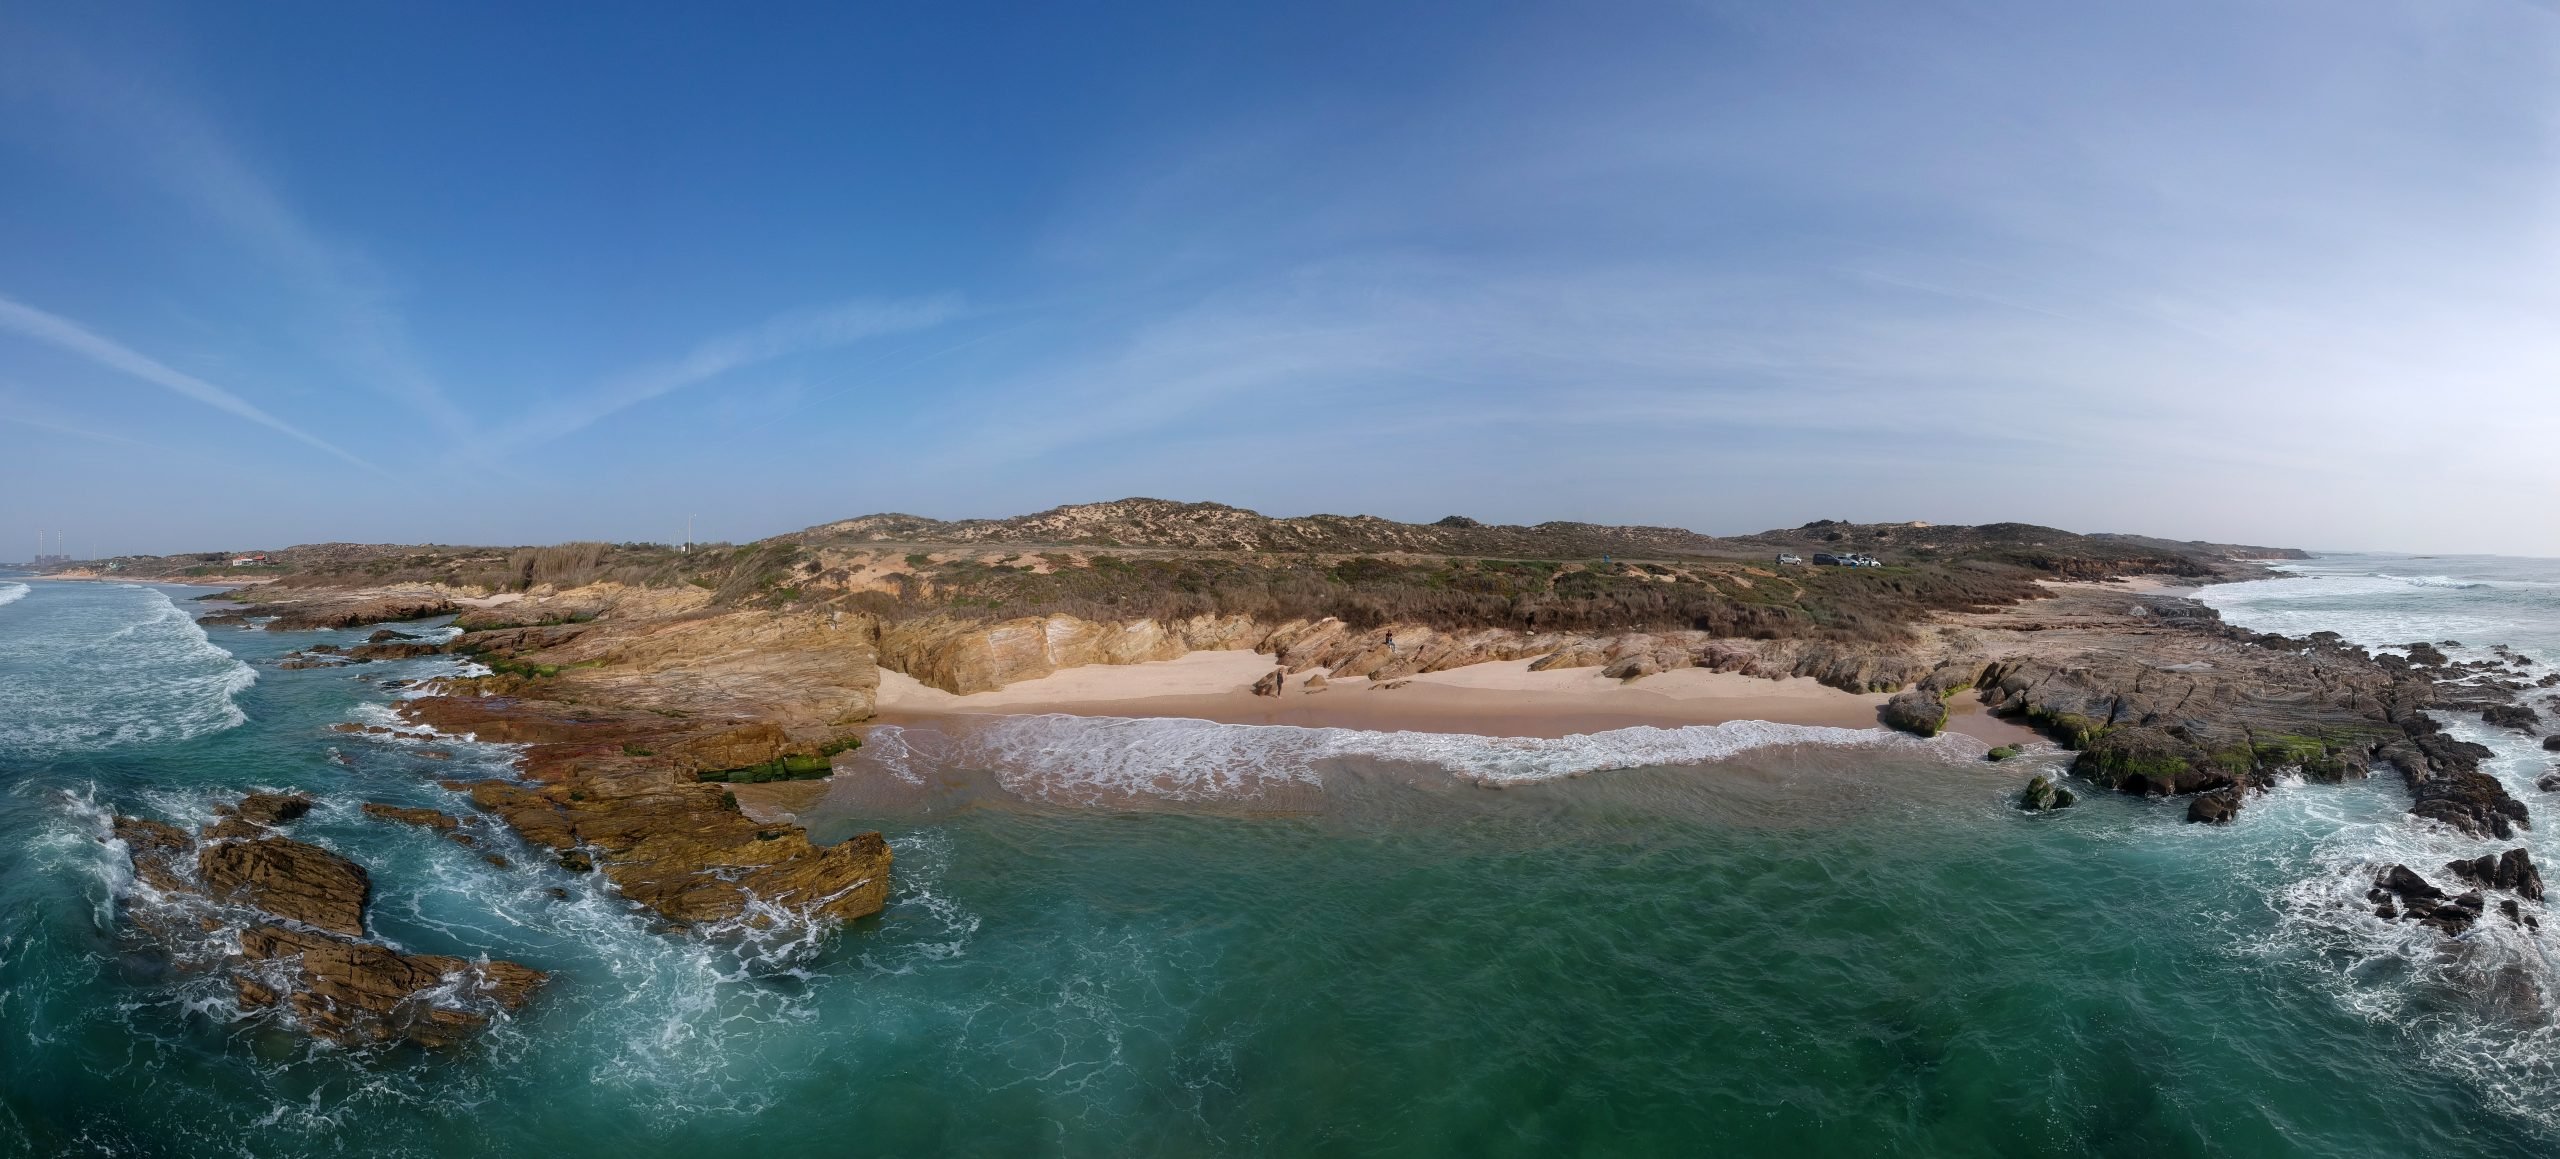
2399,892
356,992
301,946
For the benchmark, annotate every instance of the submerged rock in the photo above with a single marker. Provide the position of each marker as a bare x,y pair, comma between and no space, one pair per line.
2042,794
424,818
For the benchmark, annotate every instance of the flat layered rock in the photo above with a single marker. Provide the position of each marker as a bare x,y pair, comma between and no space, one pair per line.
684,853
302,952
289,879
357,993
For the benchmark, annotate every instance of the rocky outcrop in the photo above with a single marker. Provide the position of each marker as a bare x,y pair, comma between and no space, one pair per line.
2512,871
357,993
2515,716
2042,794
300,945
686,855
308,616
2420,901
2215,808
615,791
1271,683
290,879
1917,711
422,818
2399,892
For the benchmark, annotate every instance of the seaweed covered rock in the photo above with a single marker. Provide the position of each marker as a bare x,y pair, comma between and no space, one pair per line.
2042,795
1915,710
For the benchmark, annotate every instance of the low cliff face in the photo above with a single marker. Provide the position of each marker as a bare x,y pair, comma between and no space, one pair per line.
965,656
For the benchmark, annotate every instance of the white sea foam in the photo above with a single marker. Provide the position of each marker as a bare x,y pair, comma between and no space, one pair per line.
146,673
12,593
1085,759
2486,1005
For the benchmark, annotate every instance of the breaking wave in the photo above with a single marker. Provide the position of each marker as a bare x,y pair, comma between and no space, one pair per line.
12,593
2486,1005
1093,759
148,674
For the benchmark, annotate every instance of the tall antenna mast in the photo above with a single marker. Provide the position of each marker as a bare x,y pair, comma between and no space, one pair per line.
688,535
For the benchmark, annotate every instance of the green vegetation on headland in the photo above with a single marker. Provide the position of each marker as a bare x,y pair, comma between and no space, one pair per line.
1168,561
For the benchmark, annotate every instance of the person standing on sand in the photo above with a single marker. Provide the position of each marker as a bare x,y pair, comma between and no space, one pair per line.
1391,643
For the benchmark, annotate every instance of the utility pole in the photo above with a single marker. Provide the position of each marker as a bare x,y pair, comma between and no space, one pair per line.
688,535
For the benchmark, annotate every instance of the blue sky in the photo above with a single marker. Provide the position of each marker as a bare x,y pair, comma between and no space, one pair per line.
2280,272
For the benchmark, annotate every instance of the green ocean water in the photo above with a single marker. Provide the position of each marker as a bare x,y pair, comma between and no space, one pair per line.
1807,947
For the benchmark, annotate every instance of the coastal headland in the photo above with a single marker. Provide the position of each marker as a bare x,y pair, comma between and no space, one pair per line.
657,693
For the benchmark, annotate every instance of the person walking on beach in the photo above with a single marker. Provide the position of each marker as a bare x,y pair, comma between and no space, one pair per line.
1391,643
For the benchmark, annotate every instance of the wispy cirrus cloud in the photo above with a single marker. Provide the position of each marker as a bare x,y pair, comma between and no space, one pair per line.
798,332
63,333
341,306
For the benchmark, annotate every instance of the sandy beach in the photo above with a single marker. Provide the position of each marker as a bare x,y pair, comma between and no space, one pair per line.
1494,699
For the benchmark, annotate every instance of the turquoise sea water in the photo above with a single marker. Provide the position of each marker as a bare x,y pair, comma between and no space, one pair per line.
1170,938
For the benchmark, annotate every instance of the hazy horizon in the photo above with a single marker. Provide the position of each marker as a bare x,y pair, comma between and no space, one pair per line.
2270,273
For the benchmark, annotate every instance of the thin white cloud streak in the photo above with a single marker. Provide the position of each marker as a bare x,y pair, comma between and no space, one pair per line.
78,432
65,334
348,310
798,332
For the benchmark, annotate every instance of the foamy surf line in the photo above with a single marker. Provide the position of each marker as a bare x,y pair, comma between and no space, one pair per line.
1057,755
11,593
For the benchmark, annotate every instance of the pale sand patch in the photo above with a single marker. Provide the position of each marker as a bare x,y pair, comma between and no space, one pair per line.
2140,585
1491,699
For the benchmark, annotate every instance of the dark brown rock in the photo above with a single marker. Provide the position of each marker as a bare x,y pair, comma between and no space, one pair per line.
287,878
2215,808
1271,682
273,808
356,993
349,614
424,818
